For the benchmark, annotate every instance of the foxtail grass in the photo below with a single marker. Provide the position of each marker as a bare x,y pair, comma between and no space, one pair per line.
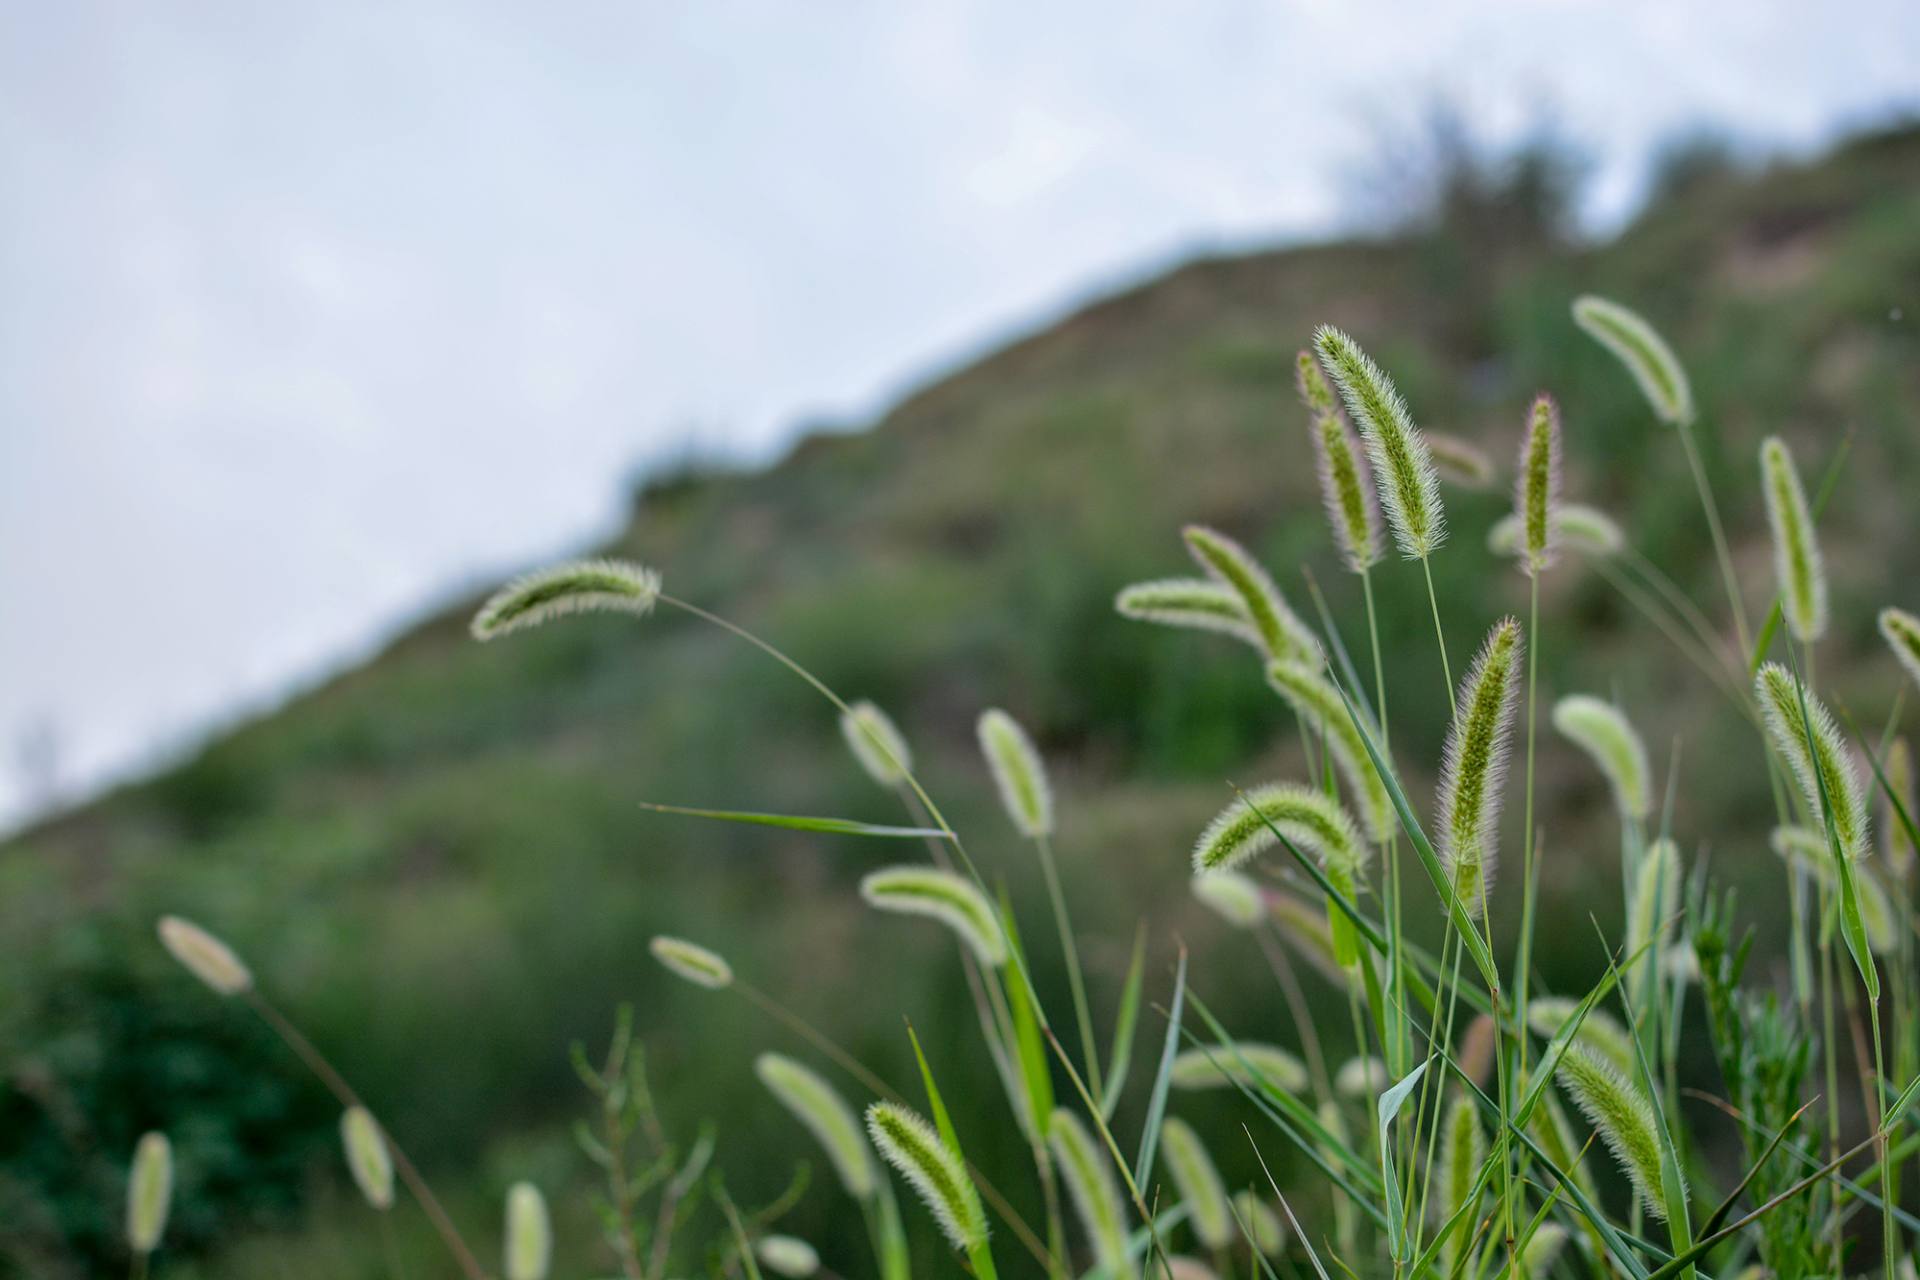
1798,570
582,586
908,1143
944,896
692,962
529,1235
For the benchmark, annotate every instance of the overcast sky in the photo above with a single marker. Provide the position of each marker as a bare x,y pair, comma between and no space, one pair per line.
313,313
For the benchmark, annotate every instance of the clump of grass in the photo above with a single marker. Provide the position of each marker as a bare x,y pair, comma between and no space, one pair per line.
910,1145
944,896
581,586
693,962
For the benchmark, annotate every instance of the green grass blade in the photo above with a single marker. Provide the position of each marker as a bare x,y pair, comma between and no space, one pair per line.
1157,1107
1388,1108
1120,1059
790,822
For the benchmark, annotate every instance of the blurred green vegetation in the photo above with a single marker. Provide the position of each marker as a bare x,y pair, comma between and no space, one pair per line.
437,865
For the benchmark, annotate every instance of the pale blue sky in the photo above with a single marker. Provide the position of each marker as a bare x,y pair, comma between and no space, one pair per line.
312,313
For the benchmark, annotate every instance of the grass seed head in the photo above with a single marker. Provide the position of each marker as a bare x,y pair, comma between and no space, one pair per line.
1346,487
1581,529
529,1248
1603,731
1235,898
1656,901
149,1192
1090,1185
951,899
579,586
787,1256
692,961
1806,849
1622,1116
908,1143
1312,385
1018,772
1537,491
1364,1077
1196,603
1475,765
1542,1250
204,956
1312,820
1281,632
1463,1149
1898,766
1645,353
818,1106
1181,1267
1901,630
1460,462
367,1156
1320,708
1199,1184
1599,1031
1244,1062
1264,1229
1828,764
1402,462
876,742
1798,570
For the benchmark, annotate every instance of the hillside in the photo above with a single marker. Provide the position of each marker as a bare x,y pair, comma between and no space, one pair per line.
437,863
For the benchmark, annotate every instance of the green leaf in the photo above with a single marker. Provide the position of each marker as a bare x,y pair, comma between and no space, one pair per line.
1388,1108
830,826
1121,1057
1157,1106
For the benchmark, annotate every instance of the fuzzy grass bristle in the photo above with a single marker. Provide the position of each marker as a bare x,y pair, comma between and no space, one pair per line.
1474,766
579,586
1315,822
1235,898
1623,1118
1603,731
1402,463
1810,742
1578,528
1244,1062
1198,1182
1089,1179
367,1157
788,1256
693,962
877,743
1018,773
820,1109
940,895
1319,706
1198,604
204,956
149,1192
1459,462
1599,1031
907,1142
1537,489
1463,1149
1282,633
1807,850
1643,351
529,1235
1901,631
1346,488
1798,570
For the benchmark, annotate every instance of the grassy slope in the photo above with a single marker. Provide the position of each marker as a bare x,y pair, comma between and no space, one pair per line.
437,863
